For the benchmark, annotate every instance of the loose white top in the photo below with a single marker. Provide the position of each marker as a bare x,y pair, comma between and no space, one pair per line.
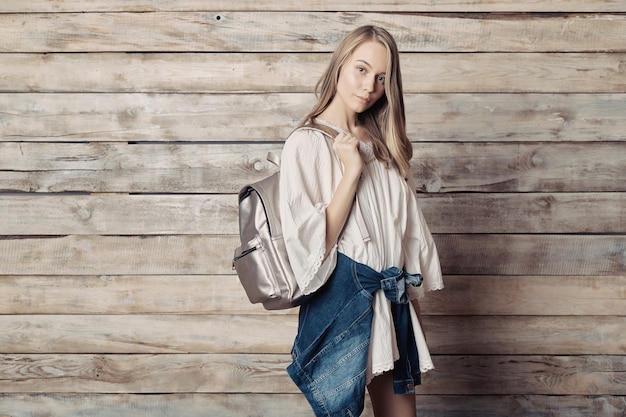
310,173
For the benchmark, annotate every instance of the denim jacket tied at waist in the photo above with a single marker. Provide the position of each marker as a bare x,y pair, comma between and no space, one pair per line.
330,351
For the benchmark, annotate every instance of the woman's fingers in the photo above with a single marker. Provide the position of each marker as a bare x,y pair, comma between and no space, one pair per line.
347,148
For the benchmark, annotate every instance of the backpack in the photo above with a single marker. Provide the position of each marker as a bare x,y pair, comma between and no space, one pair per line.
261,261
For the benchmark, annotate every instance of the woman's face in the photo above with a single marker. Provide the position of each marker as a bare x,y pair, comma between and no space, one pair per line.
362,78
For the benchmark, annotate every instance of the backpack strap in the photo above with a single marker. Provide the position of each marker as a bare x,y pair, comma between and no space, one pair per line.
360,221
273,158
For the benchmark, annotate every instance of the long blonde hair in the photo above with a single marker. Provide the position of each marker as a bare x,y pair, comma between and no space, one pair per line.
385,121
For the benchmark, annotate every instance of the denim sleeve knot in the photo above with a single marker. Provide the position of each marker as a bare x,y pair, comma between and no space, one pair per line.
395,283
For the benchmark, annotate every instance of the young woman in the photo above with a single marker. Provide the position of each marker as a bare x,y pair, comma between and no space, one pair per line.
356,239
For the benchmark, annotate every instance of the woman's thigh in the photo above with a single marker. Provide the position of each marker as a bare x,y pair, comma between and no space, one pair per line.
385,402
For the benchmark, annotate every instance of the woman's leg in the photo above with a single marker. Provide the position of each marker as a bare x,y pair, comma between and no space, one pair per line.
387,404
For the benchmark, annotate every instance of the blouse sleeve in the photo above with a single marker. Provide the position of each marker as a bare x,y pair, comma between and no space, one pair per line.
306,187
421,252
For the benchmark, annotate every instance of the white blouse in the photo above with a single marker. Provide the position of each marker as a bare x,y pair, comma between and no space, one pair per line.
399,236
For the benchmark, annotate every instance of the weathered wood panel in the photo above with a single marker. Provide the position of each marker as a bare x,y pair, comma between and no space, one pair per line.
313,32
294,405
460,254
151,405
141,294
223,294
189,405
528,295
224,168
271,117
455,375
197,333
519,167
119,215
532,254
296,73
133,334
525,213
10,6
218,214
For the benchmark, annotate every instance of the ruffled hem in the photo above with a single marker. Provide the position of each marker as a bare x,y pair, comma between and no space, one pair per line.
426,368
379,370
417,293
320,270
310,273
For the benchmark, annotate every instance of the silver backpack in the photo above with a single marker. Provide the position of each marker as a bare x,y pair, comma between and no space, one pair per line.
261,261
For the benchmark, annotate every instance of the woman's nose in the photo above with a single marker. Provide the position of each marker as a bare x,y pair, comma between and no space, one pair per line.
368,84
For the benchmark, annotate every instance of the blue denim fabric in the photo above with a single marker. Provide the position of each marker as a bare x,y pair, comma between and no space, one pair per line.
330,351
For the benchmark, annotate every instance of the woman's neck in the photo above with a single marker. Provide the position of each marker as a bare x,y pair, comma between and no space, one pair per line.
340,117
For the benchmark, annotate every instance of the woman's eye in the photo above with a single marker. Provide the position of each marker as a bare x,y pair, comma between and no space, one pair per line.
381,79
360,69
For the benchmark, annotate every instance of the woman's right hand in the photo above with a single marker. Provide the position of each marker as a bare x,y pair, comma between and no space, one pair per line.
347,149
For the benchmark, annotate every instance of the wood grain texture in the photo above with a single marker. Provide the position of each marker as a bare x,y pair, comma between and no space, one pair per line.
197,333
460,254
522,167
224,295
120,215
225,168
180,374
422,73
137,294
151,405
330,5
532,254
218,31
294,405
467,118
528,295
218,214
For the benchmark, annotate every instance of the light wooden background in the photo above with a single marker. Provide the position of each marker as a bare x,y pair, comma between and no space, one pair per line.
127,127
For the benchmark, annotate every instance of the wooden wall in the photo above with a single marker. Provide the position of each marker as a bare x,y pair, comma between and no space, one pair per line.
127,127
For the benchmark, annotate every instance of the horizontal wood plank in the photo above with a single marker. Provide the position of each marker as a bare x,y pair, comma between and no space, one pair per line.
296,73
218,214
294,405
150,334
140,294
523,167
225,168
508,335
114,167
162,333
218,31
223,294
460,254
271,117
530,254
119,214
524,212
528,295
165,404
33,6
454,375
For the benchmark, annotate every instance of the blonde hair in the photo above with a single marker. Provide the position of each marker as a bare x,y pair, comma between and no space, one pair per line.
385,121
